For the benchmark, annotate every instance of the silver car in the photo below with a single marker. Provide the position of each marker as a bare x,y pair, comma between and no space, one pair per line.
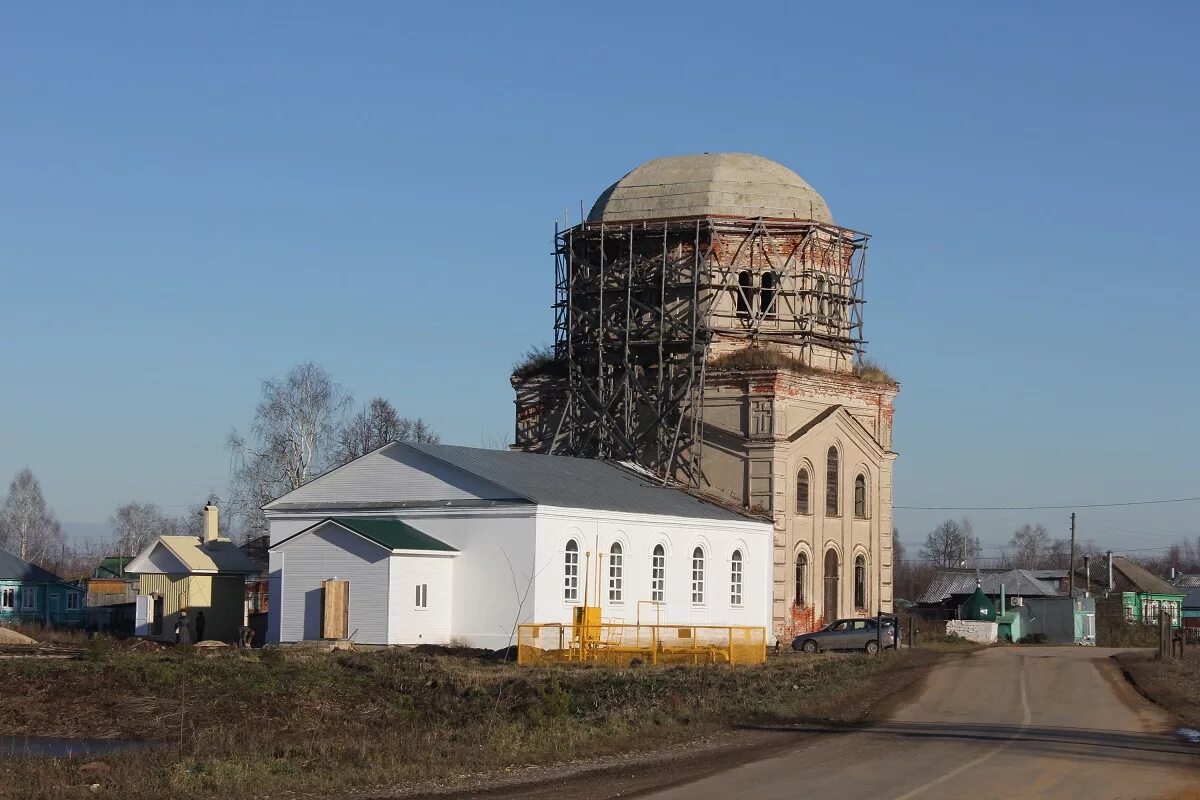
848,634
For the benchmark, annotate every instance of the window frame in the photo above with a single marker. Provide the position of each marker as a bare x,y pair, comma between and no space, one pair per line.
860,581
860,497
736,579
699,564
571,572
768,294
805,509
833,473
73,603
744,295
29,598
422,597
801,580
658,574
11,593
616,573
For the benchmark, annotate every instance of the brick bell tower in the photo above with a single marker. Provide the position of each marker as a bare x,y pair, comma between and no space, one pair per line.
708,324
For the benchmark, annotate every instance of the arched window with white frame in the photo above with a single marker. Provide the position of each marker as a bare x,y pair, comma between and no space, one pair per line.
571,572
658,574
616,574
698,576
735,579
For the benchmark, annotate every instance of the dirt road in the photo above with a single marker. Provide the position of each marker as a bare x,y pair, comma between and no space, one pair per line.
1004,723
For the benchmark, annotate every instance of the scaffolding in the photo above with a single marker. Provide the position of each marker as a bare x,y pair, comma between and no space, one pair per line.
640,306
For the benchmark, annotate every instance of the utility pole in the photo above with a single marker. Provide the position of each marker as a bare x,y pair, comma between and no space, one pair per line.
1072,572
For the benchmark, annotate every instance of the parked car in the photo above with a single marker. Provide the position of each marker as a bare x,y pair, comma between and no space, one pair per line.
848,634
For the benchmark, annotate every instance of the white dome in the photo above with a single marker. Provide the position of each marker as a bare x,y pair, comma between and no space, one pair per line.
717,184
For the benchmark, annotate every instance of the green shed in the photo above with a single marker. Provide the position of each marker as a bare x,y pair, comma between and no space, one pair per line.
978,606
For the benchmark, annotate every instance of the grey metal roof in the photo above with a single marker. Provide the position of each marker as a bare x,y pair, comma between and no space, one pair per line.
1187,581
14,568
950,582
1141,579
576,482
716,184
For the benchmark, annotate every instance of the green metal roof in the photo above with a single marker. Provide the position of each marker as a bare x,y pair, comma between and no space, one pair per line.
393,534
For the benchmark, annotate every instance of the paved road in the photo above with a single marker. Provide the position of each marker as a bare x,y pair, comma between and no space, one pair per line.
1004,723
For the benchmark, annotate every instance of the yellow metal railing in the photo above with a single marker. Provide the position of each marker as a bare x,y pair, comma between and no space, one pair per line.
620,644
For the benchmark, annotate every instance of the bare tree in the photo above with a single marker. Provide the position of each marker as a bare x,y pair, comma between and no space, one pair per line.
135,525
1030,545
951,544
291,440
27,525
376,425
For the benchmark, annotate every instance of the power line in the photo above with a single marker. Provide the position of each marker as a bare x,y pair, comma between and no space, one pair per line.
1050,508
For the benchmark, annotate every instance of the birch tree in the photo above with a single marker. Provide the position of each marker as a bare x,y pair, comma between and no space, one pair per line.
135,525
27,525
291,440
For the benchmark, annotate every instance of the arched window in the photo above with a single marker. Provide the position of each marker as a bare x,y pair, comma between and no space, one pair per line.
831,483
802,494
735,579
860,496
766,295
830,611
860,582
801,579
571,572
822,304
698,576
745,295
658,574
616,574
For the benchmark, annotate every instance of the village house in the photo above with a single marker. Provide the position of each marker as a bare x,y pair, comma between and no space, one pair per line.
200,575
33,595
432,543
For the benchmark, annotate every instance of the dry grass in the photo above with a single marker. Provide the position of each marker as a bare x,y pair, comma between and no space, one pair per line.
753,358
538,361
51,635
1173,685
870,371
237,723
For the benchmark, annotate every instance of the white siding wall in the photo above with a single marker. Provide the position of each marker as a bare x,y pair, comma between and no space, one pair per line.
638,534
484,606
408,624
332,552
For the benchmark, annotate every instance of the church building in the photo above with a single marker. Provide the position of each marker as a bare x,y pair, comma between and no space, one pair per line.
709,325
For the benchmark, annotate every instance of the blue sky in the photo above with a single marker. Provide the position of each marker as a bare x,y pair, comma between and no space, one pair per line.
195,198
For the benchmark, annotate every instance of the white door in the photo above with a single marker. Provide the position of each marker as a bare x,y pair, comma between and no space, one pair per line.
143,614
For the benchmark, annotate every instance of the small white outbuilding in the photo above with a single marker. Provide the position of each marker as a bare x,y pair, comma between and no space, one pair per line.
433,543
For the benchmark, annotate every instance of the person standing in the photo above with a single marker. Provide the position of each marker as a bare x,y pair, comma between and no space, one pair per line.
200,627
183,634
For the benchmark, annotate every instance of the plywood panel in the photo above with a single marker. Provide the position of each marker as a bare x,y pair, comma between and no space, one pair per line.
336,603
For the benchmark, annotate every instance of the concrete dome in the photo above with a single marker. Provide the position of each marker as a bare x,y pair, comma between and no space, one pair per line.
729,184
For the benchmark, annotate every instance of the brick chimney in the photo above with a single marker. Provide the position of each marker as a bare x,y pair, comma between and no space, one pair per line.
211,534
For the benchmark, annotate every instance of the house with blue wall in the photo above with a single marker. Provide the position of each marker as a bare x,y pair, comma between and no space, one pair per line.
37,596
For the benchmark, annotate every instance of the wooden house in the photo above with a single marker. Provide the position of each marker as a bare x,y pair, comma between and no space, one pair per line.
33,595
204,574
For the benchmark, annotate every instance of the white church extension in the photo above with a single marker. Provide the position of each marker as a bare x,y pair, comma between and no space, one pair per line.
440,542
